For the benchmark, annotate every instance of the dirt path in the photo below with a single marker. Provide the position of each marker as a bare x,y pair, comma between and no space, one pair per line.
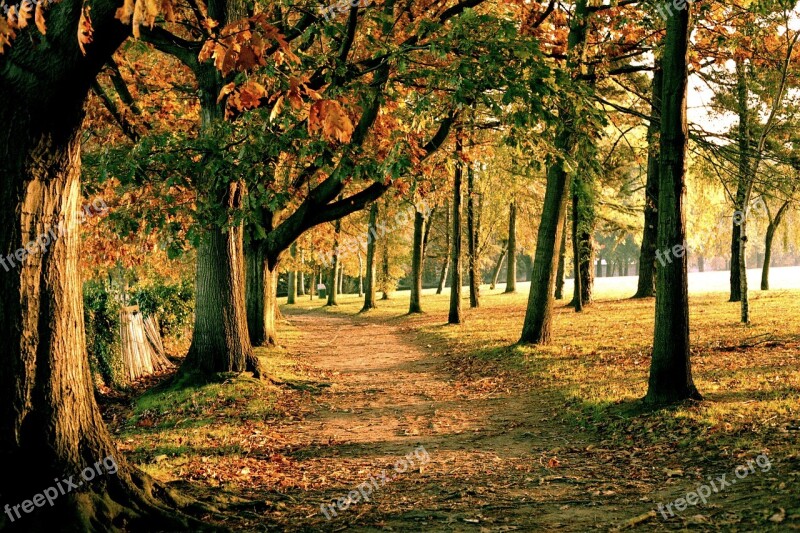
492,459
435,453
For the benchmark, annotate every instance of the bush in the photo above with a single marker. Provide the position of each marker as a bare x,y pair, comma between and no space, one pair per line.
101,317
171,303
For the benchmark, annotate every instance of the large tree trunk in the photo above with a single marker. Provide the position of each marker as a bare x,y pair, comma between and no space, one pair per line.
50,424
473,232
455,315
221,342
447,250
647,255
670,368
369,291
416,263
511,269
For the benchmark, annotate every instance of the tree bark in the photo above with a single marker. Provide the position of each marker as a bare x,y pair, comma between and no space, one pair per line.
416,263
511,270
369,291
670,368
647,256
473,225
455,315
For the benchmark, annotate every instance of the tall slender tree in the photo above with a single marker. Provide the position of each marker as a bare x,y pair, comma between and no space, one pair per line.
670,367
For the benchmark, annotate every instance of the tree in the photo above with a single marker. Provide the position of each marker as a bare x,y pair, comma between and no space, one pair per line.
455,314
333,279
537,326
473,244
670,368
50,424
511,270
417,258
370,281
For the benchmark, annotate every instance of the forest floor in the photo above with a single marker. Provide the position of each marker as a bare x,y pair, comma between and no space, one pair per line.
497,437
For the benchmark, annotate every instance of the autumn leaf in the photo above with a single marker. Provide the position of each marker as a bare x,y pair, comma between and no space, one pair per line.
85,30
329,117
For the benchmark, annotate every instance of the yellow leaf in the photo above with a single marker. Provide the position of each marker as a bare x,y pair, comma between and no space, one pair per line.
276,109
225,91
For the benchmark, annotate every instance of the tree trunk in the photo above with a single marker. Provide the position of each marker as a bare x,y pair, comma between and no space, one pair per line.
771,230
360,275
301,278
498,266
701,263
341,277
447,252
577,289
473,225
385,271
50,424
584,212
511,270
221,342
538,318
455,316
562,265
333,279
416,263
670,368
647,256
291,299
369,292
